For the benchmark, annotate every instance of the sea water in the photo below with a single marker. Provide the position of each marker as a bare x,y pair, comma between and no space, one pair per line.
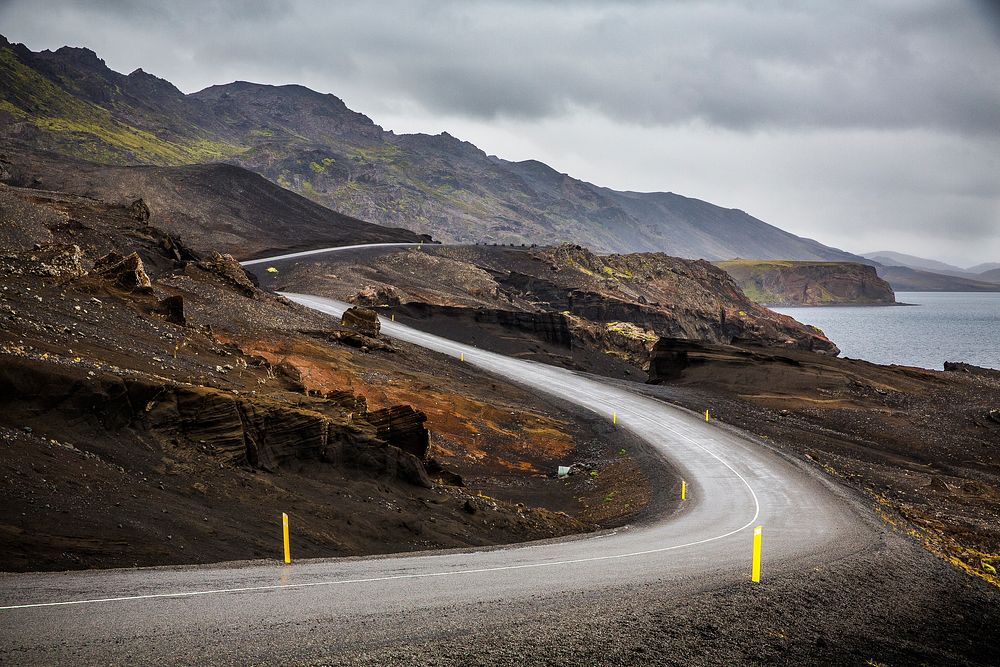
939,327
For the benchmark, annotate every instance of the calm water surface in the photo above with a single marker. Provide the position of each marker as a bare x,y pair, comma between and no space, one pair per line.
943,326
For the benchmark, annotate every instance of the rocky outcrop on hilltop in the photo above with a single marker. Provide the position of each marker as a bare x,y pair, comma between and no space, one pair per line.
788,283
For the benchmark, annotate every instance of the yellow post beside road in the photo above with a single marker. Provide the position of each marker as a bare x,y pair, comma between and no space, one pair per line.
462,357
684,490
284,532
755,570
706,415
614,418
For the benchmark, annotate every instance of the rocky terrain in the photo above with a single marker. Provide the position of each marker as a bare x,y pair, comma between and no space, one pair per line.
210,206
562,304
787,283
923,445
158,407
69,102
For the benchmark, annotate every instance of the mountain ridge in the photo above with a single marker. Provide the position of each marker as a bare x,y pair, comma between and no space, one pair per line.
69,102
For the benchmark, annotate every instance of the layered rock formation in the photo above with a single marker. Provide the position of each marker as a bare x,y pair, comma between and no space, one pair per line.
257,432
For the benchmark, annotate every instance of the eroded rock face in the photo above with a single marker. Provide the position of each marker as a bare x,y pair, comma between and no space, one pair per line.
172,309
124,272
362,320
402,426
236,430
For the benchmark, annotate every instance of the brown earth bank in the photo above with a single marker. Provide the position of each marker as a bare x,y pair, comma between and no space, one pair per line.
156,407
562,304
923,445
789,283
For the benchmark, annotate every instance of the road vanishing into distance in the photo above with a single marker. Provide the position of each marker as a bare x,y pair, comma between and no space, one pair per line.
328,608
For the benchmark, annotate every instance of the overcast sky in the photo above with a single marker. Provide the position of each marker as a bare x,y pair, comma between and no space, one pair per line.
867,126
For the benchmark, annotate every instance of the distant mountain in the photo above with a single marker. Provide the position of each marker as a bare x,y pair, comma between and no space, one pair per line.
69,102
889,258
905,279
207,206
980,268
991,275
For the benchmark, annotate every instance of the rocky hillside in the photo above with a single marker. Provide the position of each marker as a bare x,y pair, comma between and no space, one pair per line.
575,302
208,207
157,407
69,102
787,283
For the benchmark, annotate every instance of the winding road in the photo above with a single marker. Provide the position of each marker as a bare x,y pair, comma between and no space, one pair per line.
332,607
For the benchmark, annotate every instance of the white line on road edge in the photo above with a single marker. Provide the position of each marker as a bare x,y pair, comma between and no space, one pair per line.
501,568
306,253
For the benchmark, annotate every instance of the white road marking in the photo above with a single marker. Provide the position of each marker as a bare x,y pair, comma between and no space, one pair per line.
500,568
306,253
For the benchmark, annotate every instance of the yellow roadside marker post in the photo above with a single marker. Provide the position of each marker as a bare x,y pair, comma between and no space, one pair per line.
462,357
755,570
706,415
284,532
684,490
392,317
614,418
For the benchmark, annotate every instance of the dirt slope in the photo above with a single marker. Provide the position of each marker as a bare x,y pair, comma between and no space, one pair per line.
209,207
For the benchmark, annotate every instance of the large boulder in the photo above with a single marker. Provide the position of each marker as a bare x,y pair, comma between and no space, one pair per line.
124,272
229,269
362,320
139,211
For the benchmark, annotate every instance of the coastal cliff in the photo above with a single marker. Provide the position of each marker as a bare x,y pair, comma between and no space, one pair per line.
788,283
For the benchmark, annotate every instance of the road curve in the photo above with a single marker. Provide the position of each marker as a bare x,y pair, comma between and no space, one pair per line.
330,607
